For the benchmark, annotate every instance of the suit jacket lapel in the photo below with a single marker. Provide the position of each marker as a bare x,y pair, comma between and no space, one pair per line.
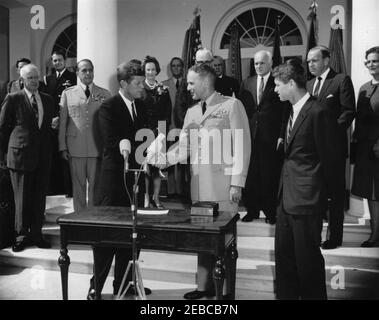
270,83
125,110
299,121
310,85
327,83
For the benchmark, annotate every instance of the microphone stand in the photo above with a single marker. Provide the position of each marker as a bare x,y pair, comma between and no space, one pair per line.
139,290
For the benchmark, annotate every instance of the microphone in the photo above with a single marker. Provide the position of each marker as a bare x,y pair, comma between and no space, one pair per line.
125,149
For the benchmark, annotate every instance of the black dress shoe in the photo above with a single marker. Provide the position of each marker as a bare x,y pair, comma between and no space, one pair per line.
41,243
19,246
133,292
370,244
271,220
91,294
327,245
196,294
247,218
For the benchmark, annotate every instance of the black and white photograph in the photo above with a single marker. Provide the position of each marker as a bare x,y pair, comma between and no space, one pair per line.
196,154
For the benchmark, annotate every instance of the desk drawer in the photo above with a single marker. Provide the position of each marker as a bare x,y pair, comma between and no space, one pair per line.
156,239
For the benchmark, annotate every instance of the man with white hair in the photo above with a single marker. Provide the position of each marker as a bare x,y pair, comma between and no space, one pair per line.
204,55
25,148
267,118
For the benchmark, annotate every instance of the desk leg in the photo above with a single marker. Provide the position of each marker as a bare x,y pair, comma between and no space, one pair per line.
64,262
219,277
232,268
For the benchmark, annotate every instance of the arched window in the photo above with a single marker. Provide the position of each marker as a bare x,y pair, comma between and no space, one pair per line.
67,42
257,27
256,23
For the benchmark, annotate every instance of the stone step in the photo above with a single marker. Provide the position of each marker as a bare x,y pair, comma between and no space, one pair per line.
252,275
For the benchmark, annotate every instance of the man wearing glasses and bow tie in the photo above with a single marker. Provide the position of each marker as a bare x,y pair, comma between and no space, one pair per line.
336,92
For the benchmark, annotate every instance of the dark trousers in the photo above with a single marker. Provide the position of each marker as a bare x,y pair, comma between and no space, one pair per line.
113,194
299,264
336,213
29,190
261,190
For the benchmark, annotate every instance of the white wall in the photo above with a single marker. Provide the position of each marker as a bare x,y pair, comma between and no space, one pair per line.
154,27
28,43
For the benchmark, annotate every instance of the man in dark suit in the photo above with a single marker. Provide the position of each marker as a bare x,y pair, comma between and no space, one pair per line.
336,92
308,171
25,148
120,117
267,118
55,83
225,85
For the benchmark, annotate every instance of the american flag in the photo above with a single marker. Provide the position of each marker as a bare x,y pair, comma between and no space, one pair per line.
235,53
276,55
192,41
313,32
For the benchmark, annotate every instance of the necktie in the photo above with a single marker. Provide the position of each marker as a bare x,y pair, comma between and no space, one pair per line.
204,107
260,90
58,75
317,88
134,112
35,106
87,92
177,84
21,84
290,124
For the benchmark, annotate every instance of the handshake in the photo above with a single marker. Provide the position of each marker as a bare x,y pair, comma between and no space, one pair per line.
155,153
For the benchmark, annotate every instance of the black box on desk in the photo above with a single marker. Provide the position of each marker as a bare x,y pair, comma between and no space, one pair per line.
204,208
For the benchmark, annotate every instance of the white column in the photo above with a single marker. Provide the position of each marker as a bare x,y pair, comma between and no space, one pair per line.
365,29
98,39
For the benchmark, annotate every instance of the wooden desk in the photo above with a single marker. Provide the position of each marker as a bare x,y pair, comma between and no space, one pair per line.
177,231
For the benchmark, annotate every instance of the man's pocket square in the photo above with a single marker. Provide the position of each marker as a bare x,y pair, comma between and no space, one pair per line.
329,96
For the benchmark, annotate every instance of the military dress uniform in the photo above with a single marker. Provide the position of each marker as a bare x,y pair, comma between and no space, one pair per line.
79,134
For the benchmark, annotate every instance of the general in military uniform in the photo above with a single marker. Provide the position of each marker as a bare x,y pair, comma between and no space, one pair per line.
79,140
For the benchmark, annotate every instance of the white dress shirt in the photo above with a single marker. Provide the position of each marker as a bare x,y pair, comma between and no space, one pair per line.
323,76
259,79
84,87
298,106
128,104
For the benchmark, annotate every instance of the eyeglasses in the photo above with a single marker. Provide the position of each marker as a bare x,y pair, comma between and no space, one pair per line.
367,62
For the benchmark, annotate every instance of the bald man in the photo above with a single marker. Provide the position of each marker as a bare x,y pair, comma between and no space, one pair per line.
25,148
267,118
204,55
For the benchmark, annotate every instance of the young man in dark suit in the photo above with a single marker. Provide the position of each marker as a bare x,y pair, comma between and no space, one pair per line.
25,148
120,117
267,119
308,172
336,92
